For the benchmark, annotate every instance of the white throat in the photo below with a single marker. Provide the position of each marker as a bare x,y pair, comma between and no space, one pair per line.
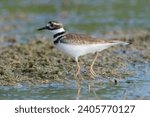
58,30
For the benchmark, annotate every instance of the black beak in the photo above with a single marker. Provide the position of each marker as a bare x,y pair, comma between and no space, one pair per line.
43,28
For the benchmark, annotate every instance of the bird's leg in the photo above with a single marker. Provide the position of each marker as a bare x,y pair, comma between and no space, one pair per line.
78,89
78,69
91,68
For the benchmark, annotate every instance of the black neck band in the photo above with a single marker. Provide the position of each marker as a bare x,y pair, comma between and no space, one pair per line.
58,34
58,40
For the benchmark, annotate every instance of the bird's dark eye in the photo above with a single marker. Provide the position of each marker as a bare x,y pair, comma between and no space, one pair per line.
52,25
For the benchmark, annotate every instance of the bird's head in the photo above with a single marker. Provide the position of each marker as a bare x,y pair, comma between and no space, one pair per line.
54,26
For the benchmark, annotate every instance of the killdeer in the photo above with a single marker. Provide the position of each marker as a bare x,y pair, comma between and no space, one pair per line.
77,45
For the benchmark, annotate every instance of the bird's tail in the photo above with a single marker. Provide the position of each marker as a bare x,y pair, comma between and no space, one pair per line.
120,43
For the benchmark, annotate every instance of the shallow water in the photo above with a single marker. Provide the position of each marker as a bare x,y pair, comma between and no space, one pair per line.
22,18
136,87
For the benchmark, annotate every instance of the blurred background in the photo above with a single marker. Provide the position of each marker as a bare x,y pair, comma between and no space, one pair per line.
23,17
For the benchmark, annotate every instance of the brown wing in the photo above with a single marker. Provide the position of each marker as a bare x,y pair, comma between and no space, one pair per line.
82,38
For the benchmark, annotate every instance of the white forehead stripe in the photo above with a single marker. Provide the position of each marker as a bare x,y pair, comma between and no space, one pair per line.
56,23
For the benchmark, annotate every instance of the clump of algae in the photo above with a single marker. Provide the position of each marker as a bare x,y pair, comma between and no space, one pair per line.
38,61
35,62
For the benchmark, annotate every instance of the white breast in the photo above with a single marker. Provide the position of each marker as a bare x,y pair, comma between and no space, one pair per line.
79,50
